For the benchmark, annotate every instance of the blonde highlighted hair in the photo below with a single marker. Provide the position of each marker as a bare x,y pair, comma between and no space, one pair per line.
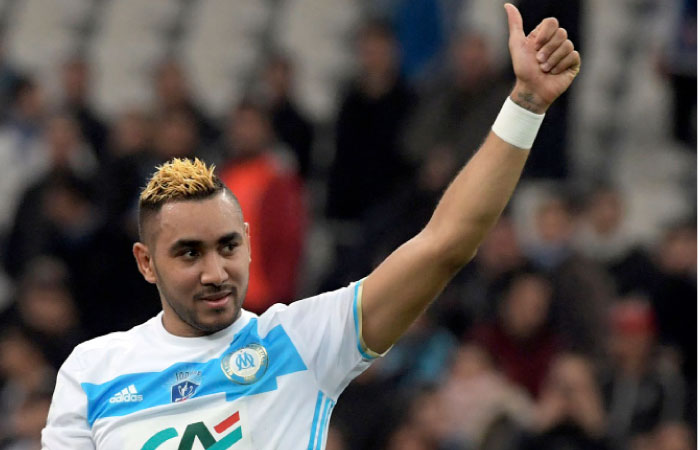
179,180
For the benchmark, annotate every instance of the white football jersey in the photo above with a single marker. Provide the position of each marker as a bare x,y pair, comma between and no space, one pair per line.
265,382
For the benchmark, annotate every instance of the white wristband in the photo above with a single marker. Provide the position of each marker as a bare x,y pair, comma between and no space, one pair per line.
516,125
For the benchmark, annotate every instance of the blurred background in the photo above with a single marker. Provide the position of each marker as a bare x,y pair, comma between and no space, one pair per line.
338,123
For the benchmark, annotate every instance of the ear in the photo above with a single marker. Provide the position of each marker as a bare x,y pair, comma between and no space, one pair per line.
246,226
143,262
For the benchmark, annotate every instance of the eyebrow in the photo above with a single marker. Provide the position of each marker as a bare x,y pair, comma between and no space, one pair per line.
193,243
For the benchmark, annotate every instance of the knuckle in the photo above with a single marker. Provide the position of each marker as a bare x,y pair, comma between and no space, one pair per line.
552,21
561,32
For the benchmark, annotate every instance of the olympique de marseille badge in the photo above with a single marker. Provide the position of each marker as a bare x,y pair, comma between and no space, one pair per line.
245,365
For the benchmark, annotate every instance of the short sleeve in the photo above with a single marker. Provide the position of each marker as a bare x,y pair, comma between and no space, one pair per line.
67,427
326,330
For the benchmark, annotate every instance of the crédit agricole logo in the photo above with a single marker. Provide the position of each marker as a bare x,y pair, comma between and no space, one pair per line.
225,434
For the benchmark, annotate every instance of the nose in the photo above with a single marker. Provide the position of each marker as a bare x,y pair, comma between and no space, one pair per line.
213,270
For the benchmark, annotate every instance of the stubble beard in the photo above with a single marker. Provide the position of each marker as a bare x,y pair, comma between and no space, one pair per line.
189,315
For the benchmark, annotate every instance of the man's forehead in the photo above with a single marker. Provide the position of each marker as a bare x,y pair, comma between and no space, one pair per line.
201,219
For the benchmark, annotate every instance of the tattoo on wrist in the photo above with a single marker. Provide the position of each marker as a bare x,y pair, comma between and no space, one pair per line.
526,100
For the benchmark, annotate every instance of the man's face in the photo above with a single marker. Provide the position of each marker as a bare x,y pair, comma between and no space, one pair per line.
249,132
198,254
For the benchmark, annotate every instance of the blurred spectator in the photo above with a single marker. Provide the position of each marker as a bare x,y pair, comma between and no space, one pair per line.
458,110
28,421
582,289
290,126
674,298
22,158
470,299
521,340
393,221
423,424
668,277
569,412
58,217
602,234
420,29
271,196
173,94
554,228
474,399
422,355
500,251
641,391
26,374
176,135
678,61
55,216
131,160
46,310
678,250
65,146
368,129
54,212
369,392
76,90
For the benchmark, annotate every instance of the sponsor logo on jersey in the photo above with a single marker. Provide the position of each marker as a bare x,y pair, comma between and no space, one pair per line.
126,395
199,431
183,390
245,365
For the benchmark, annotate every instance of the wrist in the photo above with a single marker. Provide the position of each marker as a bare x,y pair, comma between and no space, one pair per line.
526,98
516,125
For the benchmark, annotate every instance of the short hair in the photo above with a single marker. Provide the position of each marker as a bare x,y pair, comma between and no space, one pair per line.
179,180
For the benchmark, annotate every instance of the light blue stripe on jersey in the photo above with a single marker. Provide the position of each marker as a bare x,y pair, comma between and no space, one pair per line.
314,423
155,387
324,422
355,312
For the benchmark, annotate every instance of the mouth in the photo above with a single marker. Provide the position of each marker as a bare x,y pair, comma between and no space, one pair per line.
218,300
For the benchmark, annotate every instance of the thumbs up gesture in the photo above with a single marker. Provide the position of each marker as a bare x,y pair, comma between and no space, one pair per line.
545,62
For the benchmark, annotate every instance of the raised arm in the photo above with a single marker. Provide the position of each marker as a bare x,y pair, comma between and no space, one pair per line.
395,293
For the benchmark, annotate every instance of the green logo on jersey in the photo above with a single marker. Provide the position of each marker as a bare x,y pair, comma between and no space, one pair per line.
199,431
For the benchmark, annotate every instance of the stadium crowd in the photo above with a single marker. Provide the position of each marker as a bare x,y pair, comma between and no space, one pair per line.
575,325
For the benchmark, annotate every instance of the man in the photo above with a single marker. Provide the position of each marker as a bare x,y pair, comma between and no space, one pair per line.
206,374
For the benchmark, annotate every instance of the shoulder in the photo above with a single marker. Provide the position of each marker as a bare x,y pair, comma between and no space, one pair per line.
311,309
92,353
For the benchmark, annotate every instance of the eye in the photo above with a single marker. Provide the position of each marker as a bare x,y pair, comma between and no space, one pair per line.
229,247
189,254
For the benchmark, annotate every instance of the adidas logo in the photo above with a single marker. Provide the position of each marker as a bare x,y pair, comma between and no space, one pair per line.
129,394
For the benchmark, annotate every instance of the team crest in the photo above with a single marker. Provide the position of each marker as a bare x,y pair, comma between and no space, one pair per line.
245,365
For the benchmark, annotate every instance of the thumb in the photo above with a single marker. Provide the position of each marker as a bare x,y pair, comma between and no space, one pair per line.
515,21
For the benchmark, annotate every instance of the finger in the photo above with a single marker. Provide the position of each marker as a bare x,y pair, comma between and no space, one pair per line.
571,62
515,21
559,54
544,32
550,46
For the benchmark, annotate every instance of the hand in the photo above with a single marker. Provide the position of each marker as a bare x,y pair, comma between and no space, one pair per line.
545,62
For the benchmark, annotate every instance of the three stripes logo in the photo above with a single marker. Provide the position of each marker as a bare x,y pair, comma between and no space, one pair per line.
126,395
200,432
